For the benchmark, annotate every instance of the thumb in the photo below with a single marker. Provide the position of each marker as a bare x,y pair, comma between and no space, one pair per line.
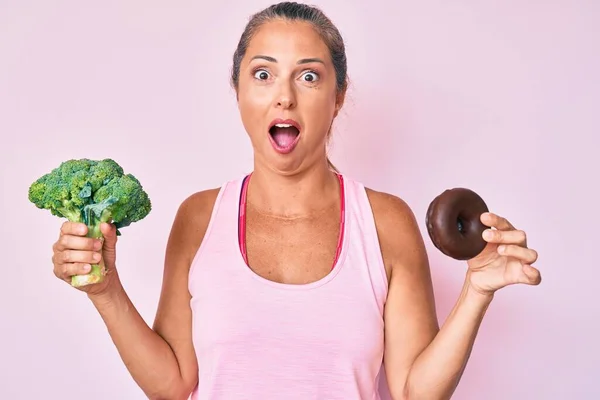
533,276
109,231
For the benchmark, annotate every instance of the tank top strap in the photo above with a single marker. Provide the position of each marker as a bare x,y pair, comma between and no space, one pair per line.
222,232
364,238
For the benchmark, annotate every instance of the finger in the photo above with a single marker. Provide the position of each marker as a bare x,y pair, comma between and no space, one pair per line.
527,256
77,256
531,275
73,228
505,237
66,242
66,271
109,231
496,221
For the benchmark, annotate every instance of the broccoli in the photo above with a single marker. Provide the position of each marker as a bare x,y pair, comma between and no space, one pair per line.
91,192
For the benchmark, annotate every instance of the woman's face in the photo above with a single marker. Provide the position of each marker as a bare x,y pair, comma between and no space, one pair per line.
287,96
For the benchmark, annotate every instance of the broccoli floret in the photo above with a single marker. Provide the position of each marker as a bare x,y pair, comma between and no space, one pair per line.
91,192
103,172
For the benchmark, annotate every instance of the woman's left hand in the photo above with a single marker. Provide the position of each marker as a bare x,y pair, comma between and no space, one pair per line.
506,260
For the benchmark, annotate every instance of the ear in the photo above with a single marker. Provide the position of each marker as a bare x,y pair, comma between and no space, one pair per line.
339,102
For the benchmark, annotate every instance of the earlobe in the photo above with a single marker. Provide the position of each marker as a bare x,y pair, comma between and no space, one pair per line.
339,102
338,106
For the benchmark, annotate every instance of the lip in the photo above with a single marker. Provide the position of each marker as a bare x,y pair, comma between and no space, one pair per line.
285,121
287,149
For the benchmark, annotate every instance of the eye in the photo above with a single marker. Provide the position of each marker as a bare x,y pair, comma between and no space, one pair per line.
261,75
310,76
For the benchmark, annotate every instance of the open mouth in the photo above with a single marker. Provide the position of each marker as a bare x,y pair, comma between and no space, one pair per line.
284,134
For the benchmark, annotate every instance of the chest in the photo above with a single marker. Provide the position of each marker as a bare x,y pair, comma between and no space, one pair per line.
246,318
292,251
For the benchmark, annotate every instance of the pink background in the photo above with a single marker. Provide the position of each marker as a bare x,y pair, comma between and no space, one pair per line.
501,97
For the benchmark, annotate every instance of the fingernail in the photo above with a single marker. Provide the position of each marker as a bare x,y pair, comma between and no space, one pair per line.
487,234
501,249
96,257
97,245
87,268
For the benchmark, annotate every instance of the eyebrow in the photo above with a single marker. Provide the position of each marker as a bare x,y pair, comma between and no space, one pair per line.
302,61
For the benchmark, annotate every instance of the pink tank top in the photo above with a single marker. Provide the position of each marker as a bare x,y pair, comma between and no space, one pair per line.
258,339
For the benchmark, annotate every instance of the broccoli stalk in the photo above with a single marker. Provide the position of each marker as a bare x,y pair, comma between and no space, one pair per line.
93,215
91,192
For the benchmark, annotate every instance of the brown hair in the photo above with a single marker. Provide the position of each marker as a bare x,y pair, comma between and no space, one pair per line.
297,12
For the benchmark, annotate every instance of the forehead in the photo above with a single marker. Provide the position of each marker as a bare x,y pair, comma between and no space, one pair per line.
288,39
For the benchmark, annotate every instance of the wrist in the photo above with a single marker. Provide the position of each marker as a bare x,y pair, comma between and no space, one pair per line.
109,295
473,295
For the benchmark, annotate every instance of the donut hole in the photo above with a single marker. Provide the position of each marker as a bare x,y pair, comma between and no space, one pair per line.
460,224
466,223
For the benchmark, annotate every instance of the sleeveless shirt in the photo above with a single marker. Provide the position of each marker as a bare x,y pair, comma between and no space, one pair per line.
259,339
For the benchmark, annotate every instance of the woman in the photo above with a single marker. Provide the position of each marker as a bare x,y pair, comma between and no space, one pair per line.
295,282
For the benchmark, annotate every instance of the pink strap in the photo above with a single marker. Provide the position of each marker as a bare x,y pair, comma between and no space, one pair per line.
242,219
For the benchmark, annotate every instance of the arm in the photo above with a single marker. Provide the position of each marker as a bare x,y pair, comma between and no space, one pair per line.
421,360
161,359
437,371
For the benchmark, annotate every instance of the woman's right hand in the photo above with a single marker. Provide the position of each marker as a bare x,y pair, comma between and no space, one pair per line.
74,253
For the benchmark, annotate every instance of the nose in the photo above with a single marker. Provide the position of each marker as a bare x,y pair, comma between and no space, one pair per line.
286,98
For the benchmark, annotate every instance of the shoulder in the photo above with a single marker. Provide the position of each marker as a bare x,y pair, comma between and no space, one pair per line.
393,216
191,222
197,207
398,231
387,206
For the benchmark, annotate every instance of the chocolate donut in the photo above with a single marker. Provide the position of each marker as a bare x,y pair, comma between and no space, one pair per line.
453,223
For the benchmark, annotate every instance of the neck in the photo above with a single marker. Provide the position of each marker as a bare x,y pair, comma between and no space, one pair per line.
292,196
